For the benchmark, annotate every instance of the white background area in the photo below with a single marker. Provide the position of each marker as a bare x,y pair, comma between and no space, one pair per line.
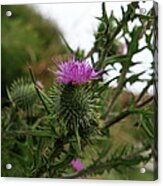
89,26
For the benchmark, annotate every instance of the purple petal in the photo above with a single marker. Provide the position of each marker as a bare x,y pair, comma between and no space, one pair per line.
75,72
77,165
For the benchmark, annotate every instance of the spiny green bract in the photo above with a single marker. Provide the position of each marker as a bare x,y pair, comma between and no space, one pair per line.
74,106
22,93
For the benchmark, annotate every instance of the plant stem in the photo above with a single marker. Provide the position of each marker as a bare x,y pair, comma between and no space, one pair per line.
126,113
38,90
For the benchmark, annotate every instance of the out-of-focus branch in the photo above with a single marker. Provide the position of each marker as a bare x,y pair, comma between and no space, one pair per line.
126,113
117,92
147,101
66,43
118,118
144,91
90,53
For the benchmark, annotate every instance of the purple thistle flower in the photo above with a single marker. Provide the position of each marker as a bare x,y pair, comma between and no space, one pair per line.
75,72
77,165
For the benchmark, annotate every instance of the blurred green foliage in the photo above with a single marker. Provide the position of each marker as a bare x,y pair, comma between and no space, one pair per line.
27,38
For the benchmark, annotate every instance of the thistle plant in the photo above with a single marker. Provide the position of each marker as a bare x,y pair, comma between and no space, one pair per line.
81,126
73,100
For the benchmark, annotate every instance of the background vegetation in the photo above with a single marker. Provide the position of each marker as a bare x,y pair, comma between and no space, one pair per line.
27,38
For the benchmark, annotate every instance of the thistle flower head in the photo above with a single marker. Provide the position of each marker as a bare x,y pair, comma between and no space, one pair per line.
77,165
77,72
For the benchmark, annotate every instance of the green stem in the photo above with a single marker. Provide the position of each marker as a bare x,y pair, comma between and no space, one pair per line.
78,138
38,90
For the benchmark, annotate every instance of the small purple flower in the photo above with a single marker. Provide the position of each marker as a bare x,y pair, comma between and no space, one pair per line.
77,165
77,72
